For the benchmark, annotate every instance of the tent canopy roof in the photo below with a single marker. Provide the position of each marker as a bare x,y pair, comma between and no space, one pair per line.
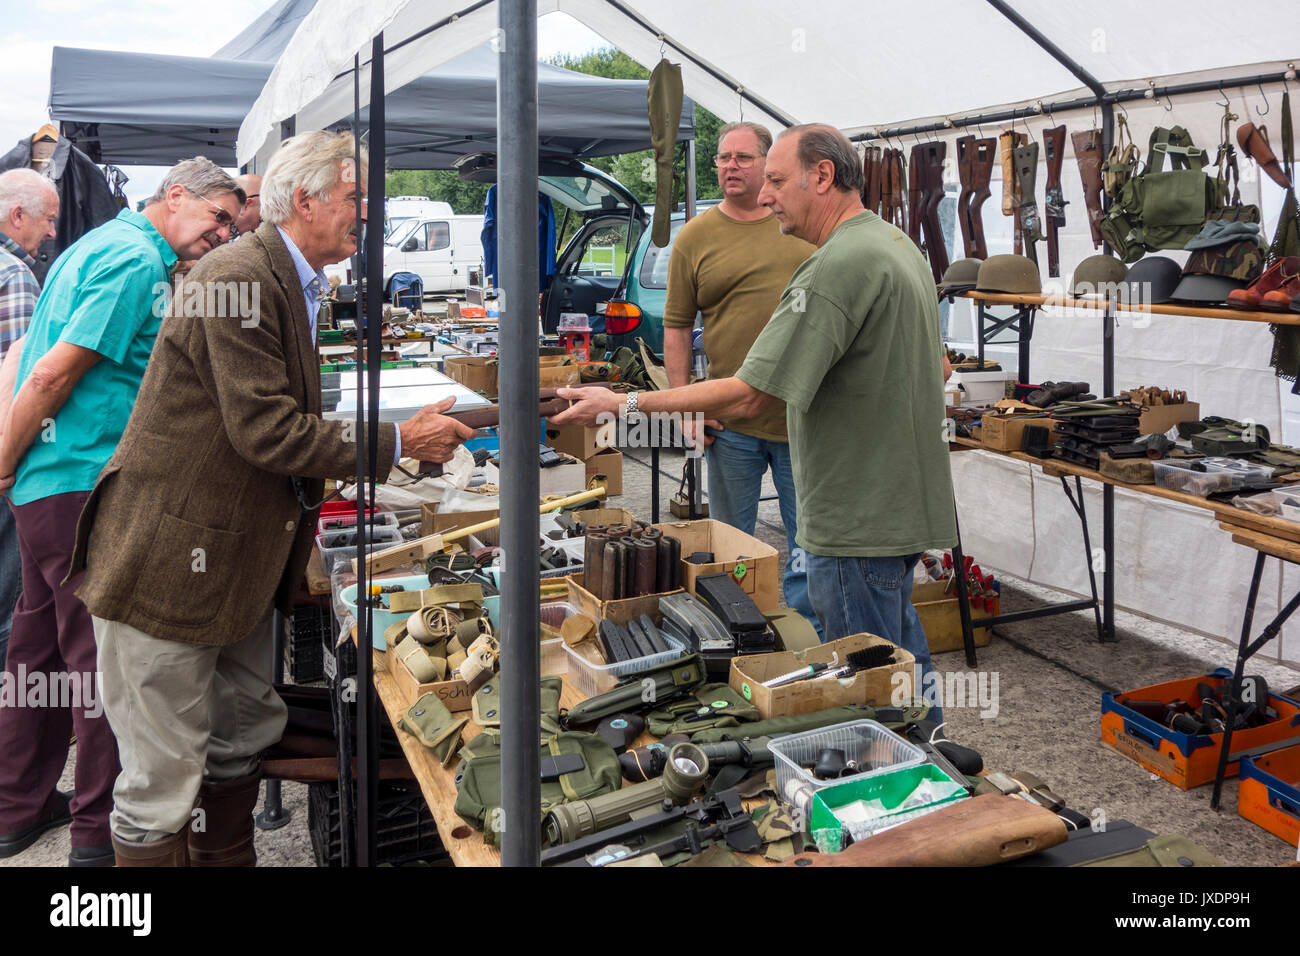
149,109
852,64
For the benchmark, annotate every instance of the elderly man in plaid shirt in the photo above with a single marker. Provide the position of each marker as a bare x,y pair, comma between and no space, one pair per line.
29,208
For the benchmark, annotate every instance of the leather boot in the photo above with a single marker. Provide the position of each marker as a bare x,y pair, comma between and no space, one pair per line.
169,851
227,819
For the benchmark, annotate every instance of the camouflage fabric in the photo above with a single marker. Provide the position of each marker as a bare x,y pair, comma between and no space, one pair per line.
1242,260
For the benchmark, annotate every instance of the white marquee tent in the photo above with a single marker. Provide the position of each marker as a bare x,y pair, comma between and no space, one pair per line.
864,66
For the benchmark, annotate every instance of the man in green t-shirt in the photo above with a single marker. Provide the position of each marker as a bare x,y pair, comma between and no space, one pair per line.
852,351
730,264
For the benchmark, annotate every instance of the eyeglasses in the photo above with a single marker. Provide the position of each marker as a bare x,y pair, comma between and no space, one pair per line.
743,160
224,219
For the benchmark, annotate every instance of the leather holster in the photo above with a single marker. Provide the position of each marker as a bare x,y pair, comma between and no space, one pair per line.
1087,153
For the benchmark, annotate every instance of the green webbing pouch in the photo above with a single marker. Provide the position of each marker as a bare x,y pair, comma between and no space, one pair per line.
479,779
796,723
713,705
487,704
1161,851
429,720
658,685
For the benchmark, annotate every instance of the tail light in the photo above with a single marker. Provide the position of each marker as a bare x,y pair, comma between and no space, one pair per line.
621,318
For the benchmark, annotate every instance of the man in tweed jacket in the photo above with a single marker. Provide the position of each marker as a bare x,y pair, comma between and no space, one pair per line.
194,528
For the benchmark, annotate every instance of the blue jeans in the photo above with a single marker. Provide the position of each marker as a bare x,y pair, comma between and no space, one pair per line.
871,596
11,575
736,466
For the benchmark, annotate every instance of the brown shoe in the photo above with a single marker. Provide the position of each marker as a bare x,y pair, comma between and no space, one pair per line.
169,851
226,818
1253,141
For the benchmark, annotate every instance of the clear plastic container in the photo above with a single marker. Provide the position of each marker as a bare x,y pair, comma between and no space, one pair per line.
591,678
335,549
1288,503
346,522
861,740
1205,476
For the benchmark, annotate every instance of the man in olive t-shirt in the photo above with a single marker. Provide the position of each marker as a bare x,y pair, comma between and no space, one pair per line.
730,264
852,351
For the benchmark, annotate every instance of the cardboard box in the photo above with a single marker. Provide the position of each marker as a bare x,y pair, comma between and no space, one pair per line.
558,376
581,441
454,693
433,521
1160,418
761,578
476,372
875,686
609,463
620,611
605,516
941,618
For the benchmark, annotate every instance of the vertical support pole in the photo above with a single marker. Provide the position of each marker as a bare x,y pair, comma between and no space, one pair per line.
367,706
694,466
516,45
1025,331
273,815
1108,490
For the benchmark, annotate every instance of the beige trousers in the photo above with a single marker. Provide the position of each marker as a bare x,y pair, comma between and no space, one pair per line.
182,713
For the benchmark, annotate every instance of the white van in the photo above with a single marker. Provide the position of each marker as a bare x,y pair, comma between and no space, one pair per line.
440,250
400,210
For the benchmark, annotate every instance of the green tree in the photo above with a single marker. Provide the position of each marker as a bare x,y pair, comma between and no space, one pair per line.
636,170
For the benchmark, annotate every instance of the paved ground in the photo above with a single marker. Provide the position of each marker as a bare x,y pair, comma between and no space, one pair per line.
1051,674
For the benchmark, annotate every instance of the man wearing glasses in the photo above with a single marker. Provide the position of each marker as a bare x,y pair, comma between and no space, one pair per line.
250,217
79,368
730,264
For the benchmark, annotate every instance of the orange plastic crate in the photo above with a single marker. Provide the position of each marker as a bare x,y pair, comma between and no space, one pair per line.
1185,760
1269,792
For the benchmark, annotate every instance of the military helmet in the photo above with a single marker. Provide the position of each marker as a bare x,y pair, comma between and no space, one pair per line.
1097,274
1016,275
1152,280
961,276
1205,290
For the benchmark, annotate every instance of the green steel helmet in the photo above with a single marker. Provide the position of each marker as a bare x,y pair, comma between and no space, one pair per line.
1152,280
1098,275
962,276
1012,274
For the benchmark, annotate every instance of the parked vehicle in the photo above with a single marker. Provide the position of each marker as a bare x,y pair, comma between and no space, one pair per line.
610,222
441,251
401,210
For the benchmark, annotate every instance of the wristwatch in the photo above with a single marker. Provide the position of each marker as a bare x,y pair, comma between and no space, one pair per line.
630,409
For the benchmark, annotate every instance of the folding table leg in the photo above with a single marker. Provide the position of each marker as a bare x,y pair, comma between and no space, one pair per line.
1082,512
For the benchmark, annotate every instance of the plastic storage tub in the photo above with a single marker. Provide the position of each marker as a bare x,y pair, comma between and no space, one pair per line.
861,740
891,788
1288,503
346,522
1205,476
590,678
339,547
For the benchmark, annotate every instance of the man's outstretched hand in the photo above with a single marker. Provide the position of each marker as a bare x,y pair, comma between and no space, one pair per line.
588,404
429,435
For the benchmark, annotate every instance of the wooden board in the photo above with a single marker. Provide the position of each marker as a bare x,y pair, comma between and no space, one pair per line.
1066,302
463,842
1286,550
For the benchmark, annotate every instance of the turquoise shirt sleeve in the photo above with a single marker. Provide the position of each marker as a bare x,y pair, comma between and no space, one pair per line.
116,296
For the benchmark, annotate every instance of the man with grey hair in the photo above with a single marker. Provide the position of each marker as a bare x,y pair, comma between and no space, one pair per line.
78,370
29,209
182,591
851,351
729,265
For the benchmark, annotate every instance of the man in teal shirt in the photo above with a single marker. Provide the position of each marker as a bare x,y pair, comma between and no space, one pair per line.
79,369
852,350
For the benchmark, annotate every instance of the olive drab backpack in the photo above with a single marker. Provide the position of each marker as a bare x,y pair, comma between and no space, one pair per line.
1158,208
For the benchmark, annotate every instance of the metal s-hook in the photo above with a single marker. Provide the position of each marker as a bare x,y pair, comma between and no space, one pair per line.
1264,111
1226,101
662,42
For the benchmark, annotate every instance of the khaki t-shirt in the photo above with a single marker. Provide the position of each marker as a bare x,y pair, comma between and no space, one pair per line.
853,350
733,273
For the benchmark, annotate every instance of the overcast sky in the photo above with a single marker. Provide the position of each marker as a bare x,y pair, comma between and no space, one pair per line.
31,30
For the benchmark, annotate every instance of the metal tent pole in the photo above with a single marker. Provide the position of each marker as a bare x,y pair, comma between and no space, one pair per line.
516,44
367,709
